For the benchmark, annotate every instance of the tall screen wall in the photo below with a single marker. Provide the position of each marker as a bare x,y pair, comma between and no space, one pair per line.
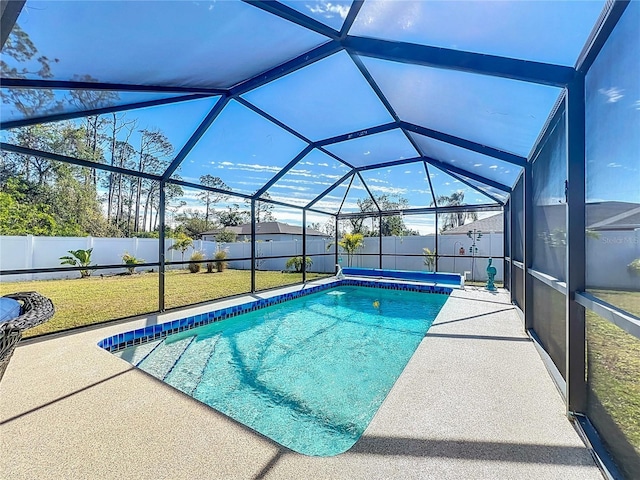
613,239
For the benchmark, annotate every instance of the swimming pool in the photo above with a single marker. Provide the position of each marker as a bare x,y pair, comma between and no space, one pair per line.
309,373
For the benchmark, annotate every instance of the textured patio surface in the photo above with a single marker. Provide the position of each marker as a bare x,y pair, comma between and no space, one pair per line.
475,402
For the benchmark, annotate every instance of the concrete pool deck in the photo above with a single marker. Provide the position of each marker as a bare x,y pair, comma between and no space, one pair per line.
474,402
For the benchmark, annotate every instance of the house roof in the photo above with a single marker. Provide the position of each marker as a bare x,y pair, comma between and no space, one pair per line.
268,228
599,216
489,224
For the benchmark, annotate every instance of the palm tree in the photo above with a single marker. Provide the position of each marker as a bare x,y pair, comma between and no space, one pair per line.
350,243
454,219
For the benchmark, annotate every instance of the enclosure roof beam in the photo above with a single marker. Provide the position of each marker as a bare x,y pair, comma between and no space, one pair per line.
470,185
461,171
286,127
466,144
10,13
206,123
346,192
433,194
76,161
512,68
294,16
283,171
425,210
609,17
119,87
198,186
373,199
382,97
327,190
392,163
279,71
356,5
358,134
289,205
98,111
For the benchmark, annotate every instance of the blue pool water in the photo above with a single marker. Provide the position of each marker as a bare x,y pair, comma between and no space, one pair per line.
309,373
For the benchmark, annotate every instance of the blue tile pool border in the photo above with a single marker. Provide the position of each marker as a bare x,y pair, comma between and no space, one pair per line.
154,332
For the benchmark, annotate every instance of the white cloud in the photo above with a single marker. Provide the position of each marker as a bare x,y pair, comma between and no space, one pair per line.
376,180
367,152
613,165
328,9
493,167
477,164
292,187
389,190
613,94
323,164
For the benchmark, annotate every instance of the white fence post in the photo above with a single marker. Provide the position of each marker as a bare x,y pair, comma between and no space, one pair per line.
29,253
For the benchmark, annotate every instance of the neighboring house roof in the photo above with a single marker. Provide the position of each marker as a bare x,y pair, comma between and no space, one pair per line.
268,228
599,216
489,224
612,215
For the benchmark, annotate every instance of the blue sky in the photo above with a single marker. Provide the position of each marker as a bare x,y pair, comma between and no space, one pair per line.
216,44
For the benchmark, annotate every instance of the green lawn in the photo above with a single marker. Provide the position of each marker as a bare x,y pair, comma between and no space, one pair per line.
97,299
614,365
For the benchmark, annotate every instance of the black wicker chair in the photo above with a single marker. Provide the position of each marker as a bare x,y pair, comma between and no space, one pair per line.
35,310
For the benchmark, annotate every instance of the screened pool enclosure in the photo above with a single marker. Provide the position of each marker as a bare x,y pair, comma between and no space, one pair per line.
393,119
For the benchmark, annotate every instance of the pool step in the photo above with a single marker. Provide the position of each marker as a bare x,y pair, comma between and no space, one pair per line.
188,370
136,354
160,361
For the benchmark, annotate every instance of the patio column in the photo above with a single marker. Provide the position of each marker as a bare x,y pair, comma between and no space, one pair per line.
304,245
436,250
161,258
253,245
336,234
576,395
528,246
380,241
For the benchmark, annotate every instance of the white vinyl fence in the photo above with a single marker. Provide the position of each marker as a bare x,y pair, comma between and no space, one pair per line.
29,252
607,260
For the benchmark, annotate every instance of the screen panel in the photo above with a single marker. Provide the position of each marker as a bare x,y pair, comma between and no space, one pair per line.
498,112
242,148
549,322
612,167
323,100
550,204
552,32
311,176
373,149
613,389
488,167
212,44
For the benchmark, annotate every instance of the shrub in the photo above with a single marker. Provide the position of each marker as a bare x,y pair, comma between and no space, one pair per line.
131,262
80,258
634,267
220,260
296,263
181,242
196,257
226,236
